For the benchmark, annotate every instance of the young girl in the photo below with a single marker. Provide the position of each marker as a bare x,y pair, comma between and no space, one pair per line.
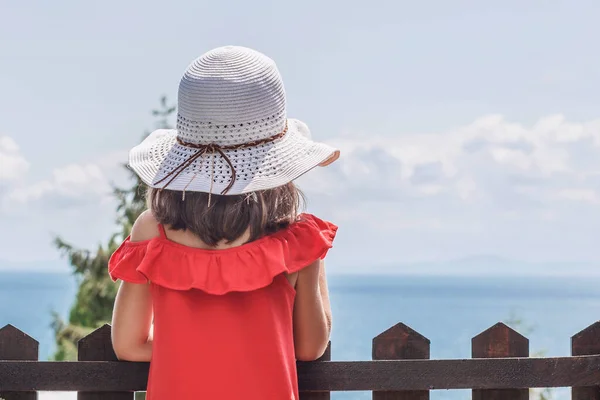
223,284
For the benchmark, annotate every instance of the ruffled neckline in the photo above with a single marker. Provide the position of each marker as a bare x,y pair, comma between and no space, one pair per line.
250,266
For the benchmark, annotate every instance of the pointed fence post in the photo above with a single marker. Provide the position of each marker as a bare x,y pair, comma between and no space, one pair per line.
500,341
319,395
97,346
401,343
586,343
16,345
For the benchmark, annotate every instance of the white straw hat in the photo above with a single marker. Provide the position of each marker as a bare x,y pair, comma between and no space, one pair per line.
232,135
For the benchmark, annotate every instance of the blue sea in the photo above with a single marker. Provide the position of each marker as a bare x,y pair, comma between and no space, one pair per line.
447,310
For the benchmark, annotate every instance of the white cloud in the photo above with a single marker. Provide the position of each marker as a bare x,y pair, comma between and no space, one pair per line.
492,186
483,157
74,201
12,164
584,195
70,184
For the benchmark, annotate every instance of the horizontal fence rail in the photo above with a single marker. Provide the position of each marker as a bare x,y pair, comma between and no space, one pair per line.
401,369
399,375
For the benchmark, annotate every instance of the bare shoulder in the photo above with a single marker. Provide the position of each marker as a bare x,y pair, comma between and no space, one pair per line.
145,227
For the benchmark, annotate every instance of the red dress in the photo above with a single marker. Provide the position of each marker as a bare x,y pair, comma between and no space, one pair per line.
223,318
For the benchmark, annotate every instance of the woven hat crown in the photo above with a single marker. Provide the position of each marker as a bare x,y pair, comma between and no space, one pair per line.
230,95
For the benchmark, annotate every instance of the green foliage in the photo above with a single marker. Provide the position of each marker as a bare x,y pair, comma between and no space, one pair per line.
96,294
518,324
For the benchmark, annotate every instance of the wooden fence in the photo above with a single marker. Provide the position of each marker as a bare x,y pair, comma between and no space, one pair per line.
499,370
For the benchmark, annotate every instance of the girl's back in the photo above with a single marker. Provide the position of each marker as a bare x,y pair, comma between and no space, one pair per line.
223,280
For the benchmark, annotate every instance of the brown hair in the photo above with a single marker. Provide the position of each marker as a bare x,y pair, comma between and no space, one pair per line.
229,216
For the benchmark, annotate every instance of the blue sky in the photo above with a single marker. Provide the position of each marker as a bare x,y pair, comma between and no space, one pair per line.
467,127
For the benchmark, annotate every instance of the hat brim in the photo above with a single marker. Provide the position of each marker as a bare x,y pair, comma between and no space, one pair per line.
257,168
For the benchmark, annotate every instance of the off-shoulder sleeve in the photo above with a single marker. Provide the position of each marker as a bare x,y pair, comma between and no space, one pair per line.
239,269
126,259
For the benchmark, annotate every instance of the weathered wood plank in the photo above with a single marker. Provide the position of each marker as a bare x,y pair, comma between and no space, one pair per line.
586,342
500,341
396,343
318,395
97,346
500,373
17,345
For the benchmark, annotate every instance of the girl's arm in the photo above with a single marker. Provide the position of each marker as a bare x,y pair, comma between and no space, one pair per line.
131,323
132,314
312,312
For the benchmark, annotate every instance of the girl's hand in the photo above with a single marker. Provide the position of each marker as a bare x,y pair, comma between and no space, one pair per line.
312,312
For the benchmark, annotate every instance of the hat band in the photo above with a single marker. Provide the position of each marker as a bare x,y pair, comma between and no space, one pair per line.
212,148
